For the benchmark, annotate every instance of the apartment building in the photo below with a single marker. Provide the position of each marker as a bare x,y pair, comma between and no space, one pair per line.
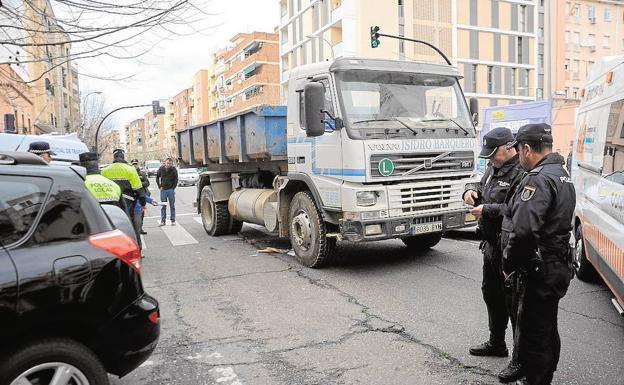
583,30
248,73
109,141
16,102
51,73
135,135
492,42
201,97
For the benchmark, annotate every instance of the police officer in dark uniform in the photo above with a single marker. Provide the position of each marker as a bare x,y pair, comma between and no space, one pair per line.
536,235
490,199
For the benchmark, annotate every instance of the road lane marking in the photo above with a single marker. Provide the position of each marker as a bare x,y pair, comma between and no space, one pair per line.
198,220
178,236
143,244
177,215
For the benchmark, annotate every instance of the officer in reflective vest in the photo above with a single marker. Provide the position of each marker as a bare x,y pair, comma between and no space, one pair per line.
128,180
104,190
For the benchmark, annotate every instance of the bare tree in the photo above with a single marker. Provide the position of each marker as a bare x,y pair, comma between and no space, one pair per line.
60,31
94,108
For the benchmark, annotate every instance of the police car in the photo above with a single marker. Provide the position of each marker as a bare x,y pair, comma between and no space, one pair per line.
65,147
598,174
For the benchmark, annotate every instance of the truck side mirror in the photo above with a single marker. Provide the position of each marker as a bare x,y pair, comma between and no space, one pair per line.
314,103
474,110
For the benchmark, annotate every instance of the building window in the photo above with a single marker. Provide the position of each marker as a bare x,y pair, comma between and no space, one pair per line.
576,39
539,93
512,91
526,82
591,13
540,32
575,92
577,10
591,40
522,18
490,79
519,48
607,14
566,65
474,78
567,92
540,60
605,41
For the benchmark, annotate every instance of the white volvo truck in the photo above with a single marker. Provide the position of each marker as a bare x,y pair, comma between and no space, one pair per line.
365,150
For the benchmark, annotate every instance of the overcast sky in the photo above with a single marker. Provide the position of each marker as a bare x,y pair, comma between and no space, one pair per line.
169,68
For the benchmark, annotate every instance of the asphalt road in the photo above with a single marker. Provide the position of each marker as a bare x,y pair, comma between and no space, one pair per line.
378,315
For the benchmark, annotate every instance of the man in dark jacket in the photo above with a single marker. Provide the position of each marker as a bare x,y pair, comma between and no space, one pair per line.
490,199
535,236
167,181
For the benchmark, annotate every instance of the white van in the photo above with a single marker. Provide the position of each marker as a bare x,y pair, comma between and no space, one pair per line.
152,166
65,147
598,173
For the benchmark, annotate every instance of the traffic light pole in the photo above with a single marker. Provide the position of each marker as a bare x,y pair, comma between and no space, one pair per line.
418,41
97,130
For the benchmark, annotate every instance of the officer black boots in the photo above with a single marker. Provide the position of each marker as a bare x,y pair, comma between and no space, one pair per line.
489,348
511,373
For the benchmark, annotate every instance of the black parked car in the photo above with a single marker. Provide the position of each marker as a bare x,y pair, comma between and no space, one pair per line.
72,305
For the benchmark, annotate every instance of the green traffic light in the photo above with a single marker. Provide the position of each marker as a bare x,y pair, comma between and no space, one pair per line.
375,43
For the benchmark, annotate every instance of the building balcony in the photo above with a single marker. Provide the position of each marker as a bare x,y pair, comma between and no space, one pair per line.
256,79
239,65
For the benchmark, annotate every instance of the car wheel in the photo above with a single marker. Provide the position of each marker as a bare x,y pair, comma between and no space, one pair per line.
584,269
422,242
308,232
53,361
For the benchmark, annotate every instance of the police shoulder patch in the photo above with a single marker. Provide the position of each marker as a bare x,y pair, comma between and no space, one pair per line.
527,193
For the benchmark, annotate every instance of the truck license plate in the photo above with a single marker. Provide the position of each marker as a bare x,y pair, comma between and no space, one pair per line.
424,228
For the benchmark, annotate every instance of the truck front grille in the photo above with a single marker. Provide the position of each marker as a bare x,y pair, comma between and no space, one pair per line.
426,165
413,199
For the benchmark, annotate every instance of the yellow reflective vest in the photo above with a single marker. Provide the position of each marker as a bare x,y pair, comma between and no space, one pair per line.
103,189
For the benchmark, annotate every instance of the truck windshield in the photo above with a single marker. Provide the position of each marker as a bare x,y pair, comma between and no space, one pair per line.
393,100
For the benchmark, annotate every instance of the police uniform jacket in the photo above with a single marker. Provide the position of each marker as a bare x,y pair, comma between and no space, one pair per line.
495,190
539,216
128,180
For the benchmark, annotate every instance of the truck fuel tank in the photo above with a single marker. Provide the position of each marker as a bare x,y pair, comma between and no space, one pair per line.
257,206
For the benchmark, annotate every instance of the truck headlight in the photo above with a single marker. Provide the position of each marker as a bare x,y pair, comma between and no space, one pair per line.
366,198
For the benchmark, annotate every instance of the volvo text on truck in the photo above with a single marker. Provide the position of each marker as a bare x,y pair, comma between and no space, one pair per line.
598,174
365,150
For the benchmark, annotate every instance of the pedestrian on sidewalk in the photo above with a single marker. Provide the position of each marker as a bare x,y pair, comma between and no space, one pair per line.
167,181
489,199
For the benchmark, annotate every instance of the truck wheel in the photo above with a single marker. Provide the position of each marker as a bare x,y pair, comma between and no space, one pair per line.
422,242
584,269
66,361
215,215
308,231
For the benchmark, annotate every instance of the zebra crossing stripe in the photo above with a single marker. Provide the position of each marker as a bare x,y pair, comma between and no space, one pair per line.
178,236
198,220
143,244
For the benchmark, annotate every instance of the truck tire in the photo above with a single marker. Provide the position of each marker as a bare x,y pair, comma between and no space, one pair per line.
215,215
308,232
37,361
422,242
584,269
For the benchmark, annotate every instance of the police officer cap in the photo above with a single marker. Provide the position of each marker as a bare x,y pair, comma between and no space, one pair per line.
119,152
40,148
88,157
493,139
535,132
134,161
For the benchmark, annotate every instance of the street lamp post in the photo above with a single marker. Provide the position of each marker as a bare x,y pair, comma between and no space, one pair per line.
84,102
331,47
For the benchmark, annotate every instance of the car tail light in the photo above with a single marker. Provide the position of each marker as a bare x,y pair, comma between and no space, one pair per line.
153,316
119,244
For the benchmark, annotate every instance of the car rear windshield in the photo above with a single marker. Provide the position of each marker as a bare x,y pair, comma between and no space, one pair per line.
21,200
187,171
